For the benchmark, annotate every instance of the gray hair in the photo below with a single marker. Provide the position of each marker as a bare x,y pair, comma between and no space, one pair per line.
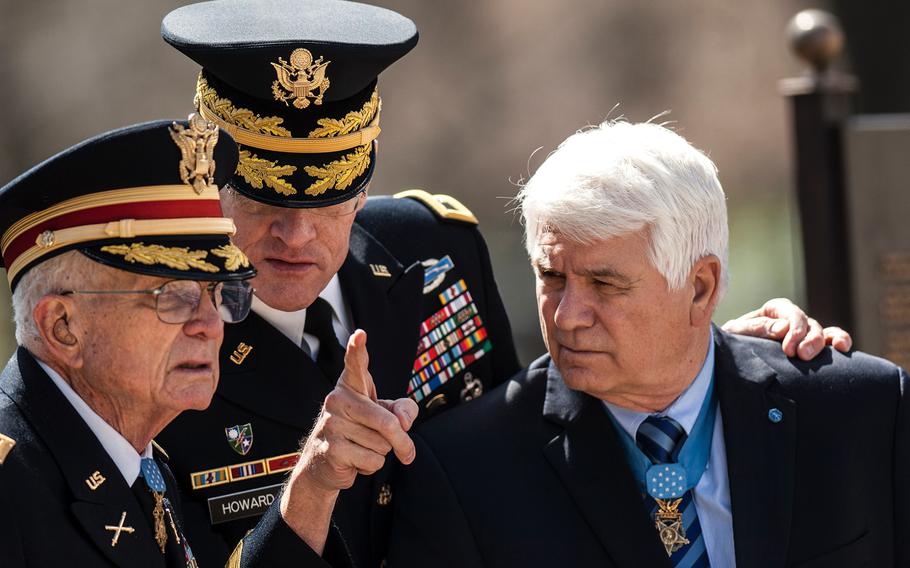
619,178
50,277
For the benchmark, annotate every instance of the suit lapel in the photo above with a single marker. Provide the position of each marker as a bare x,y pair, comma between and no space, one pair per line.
761,455
386,307
591,463
84,464
273,365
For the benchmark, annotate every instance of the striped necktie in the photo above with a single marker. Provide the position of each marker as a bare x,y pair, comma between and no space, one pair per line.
660,438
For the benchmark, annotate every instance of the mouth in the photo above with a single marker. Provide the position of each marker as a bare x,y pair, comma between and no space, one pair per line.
195,367
284,265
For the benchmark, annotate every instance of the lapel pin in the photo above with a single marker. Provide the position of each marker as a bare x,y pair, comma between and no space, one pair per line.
775,415
119,529
95,480
380,270
240,353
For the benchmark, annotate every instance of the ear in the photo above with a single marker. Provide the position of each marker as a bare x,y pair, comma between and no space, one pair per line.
705,279
56,319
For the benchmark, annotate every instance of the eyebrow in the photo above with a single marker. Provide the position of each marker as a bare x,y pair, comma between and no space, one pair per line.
602,272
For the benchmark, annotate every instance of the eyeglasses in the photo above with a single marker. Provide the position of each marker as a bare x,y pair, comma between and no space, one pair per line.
340,209
176,301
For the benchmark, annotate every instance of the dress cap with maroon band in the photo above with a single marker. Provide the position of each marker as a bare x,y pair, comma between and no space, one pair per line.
295,83
142,198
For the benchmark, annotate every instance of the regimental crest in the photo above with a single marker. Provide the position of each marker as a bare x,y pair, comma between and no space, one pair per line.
299,78
197,149
240,438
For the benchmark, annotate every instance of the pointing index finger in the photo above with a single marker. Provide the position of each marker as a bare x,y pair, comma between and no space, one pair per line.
356,374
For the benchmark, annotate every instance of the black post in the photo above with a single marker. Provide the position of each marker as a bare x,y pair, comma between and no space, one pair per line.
821,103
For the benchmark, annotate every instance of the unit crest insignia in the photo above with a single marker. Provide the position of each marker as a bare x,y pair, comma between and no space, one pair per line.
240,438
298,79
197,148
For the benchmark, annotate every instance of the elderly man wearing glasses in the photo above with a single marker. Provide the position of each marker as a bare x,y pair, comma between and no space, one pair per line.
122,273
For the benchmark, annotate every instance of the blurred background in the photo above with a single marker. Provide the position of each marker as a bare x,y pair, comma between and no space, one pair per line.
491,88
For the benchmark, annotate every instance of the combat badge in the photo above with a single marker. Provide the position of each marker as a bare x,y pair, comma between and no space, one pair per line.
298,79
197,150
434,272
240,438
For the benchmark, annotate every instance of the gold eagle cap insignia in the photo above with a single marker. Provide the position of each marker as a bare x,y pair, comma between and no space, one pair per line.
197,150
299,77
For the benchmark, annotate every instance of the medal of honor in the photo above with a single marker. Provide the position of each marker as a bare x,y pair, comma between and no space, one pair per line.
668,521
158,514
667,484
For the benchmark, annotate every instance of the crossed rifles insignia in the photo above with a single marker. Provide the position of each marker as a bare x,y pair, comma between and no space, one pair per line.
298,79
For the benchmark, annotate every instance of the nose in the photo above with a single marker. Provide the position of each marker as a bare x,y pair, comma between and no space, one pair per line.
206,321
574,310
294,227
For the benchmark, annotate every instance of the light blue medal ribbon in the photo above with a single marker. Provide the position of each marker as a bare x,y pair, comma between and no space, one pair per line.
672,480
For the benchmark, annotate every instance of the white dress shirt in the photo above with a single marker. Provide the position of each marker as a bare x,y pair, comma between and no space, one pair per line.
125,457
712,493
291,324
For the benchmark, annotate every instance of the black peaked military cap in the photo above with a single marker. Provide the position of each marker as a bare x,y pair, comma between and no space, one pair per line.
143,198
294,81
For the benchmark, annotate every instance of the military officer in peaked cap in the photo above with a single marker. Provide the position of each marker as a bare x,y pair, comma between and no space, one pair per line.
295,83
122,271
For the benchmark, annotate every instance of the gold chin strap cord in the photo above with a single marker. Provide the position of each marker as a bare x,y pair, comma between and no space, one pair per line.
295,145
49,241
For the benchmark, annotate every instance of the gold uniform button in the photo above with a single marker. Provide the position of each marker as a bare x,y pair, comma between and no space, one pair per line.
385,495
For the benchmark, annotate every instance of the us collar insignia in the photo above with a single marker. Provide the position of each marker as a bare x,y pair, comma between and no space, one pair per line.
240,438
380,270
95,480
434,272
197,149
240,353
298,79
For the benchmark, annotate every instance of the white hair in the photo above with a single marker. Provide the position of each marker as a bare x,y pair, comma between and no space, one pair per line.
619,178
50,277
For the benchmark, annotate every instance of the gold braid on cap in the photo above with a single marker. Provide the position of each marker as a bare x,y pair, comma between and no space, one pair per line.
242,117
178,258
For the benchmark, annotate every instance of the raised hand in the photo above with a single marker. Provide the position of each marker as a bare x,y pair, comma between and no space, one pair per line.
353,435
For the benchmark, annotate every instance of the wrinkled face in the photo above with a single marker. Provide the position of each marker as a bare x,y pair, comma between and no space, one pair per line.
295,251
612,326
141,363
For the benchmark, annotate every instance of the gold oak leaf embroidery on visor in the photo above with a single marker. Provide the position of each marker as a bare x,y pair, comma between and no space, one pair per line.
234,257
340,173
258,172
177,258
244,118
352,121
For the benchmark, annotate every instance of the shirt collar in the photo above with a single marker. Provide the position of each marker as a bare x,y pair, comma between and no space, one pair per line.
684,409
291,324
117,447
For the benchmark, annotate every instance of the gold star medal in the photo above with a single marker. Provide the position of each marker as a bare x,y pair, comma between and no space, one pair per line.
668,521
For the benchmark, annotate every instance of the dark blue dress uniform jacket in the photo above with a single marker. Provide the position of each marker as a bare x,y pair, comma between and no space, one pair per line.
278,390
534,474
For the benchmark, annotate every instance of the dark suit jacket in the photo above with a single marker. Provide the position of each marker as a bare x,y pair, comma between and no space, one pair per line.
49,514
533,474
278,390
